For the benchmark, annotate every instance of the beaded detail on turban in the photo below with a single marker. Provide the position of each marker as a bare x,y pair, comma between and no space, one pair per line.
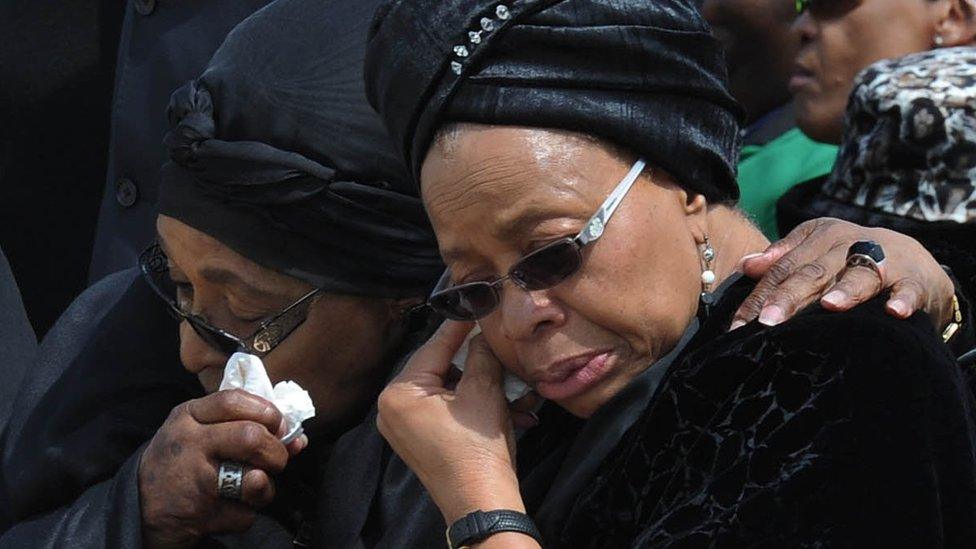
647,76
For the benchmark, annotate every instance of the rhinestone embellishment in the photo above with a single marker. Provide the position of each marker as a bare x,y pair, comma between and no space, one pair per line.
502,12
487,25
456,67
708,254
596,229
460,51
474,37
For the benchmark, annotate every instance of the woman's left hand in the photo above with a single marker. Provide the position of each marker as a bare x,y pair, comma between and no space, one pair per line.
459,442
809,264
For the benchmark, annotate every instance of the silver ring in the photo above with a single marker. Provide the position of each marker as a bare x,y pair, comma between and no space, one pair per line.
230,480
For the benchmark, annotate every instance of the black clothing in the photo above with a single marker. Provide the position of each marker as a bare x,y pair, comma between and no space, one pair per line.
59,116
16,339
102,382
276,154
56,69
163,44
836,430
833,428
647,76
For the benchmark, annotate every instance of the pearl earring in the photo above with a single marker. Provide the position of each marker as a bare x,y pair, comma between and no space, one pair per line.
708,275
939,40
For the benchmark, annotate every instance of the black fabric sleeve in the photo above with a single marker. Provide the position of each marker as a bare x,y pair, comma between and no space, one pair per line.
106,514
856,430
103,381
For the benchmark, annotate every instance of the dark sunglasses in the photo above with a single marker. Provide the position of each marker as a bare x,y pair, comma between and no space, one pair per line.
271,332
825,9
538,270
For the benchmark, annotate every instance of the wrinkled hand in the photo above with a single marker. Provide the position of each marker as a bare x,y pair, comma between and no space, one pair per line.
458,441
178,470
809,264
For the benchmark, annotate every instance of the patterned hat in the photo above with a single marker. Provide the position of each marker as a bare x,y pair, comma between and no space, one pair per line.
909,144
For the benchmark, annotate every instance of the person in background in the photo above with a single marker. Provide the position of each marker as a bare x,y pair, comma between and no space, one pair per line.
287,229
759,50
83,88
892,173
840,38
908,158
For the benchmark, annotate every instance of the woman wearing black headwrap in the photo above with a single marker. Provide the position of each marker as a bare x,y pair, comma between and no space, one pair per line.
576,160
287,229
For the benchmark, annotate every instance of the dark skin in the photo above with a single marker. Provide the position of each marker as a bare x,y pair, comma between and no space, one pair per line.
836,46
759,50
339,354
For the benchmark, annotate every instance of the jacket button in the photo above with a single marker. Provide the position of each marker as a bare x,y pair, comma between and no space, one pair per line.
145,7
126,192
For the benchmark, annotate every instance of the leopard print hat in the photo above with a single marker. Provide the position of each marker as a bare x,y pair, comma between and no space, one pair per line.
909,145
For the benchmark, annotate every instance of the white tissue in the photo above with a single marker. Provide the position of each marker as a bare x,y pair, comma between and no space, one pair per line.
515,388
246,371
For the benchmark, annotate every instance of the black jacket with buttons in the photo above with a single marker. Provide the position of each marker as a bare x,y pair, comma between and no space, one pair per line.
83,91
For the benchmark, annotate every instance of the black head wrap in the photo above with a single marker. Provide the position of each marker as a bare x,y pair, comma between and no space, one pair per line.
643,74
276,153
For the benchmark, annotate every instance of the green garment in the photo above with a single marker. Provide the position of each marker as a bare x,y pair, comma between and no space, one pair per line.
767,171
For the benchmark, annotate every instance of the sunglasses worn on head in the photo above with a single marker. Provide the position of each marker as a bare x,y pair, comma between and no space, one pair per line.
270,334
825,9
538,270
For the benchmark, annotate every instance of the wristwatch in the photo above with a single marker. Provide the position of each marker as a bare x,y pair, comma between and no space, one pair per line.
479,525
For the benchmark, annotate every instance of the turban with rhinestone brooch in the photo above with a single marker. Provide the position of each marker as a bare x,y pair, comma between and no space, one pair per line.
645,75
276,153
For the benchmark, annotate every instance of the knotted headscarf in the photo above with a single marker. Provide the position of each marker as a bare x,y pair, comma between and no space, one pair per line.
909,145
276,153
646,75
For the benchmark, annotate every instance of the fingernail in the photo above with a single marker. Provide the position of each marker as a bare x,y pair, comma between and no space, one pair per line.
282,428
771,315
736,324
899,307
738,266
304,442
835,298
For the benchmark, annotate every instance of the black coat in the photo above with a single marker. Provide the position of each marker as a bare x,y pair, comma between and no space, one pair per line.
16,339
83,93
103,380
164,44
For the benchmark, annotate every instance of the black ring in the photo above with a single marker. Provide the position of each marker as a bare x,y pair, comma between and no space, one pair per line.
869,249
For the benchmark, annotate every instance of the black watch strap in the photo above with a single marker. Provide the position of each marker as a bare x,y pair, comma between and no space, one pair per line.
479,525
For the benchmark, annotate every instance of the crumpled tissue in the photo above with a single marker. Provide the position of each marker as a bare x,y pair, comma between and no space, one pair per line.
515,388
246,371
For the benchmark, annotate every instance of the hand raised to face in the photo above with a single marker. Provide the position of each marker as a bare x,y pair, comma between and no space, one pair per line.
178,486
458,441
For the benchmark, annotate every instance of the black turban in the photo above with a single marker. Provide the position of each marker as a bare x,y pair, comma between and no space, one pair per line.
643,74
276,153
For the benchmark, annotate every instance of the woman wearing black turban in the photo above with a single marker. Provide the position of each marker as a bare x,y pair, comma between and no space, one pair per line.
576,159
287,229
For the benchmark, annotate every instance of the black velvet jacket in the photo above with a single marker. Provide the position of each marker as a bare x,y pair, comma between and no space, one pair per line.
851,429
